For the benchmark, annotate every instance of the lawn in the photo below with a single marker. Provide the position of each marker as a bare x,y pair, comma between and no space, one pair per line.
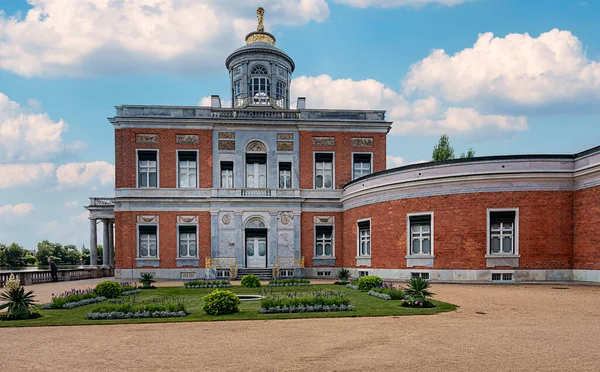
364,304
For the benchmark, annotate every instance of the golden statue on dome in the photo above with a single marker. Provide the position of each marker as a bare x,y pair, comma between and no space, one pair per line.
260,13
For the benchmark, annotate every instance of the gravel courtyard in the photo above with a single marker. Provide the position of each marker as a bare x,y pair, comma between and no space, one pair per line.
524,328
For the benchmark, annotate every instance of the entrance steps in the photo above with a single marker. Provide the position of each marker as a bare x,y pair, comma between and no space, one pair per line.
262,273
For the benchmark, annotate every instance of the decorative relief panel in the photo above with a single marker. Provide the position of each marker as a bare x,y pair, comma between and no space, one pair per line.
187,139
286,220
187,219
285,146
285,136
147,219
229,135
146,138
362,142
324,220
226,145
226,219
324,141
256,146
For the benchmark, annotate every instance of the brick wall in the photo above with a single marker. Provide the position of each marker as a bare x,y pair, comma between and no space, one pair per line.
545,229
125,155
586,240
308,236
343,155
126,238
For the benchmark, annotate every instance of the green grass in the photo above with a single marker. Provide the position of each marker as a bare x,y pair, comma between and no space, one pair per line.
364,304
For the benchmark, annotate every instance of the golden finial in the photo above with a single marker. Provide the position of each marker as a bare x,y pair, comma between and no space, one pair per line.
260,13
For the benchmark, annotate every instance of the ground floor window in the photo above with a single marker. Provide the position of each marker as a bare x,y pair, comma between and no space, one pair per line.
364,238
188,246
502,232
324,241
148,242
420,230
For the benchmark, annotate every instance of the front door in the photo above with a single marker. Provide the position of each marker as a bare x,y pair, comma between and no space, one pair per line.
256,251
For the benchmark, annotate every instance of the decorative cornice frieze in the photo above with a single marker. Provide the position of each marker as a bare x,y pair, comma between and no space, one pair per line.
187,219
146,138
285,136
227,135
226,145
324,220
323,141
285,146
147,219
362,142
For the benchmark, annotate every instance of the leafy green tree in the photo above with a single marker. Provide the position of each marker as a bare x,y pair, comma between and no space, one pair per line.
44,250
72,255
443,151
15,255
86,255
469,154
2,255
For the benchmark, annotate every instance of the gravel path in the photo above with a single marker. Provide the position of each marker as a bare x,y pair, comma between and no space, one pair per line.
524,328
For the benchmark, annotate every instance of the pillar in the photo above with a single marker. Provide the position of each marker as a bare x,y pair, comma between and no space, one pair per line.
111,243
105,244
93,243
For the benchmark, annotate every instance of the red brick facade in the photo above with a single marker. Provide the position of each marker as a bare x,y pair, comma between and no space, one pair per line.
308,236
587,229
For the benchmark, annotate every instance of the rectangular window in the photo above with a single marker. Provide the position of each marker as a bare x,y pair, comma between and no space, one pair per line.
280,90
363,273
188,169
420,234
502,232
364,239
324,241
420,275
148,242
238,88
324,171
285,175
227,174
256,171
361,165
188,246
147,168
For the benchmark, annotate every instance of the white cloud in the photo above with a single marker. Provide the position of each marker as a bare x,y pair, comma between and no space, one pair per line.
18,175
29,136
428,116
58,37
516,71
17,210
205,101
98,173
394,161
72,204
397,3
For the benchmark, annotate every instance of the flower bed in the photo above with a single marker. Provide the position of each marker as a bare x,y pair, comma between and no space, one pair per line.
128,286
207,284
73,298
352,286
131,292
425,304
383,296
126,309
30,315
388,290
305,302
289,282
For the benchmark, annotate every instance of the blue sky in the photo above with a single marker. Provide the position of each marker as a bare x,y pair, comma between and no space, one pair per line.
532,87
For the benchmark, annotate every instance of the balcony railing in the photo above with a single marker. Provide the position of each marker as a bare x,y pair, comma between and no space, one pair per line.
256,192
101,202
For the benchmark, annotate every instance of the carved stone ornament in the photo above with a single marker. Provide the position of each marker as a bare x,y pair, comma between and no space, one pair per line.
147,219
226,145
362,142
146,138
256,146
286,218
285,146
324,219
226,219
324,141
229,135
187,139
285,136
187,219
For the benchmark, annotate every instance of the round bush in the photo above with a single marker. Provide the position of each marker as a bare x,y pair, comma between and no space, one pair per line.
250,281
221,301
108,289
368,282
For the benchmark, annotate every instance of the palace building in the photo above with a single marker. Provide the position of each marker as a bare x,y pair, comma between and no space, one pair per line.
261,187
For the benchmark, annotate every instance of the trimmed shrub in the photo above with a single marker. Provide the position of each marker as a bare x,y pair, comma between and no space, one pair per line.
250,281
288,282
305,302
207,284
108,289
221,301
71,296
368,282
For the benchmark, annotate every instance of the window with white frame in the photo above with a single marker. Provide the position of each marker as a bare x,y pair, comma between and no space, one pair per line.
227,174
280,90
148,242
323,171
361,165
285,175
256,170
420,234
188,243
502,232
364,238
237,90
188,168
259,70
324,241
147,168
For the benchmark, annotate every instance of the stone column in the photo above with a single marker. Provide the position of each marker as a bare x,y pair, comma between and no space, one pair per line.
111,244
105,244
93,243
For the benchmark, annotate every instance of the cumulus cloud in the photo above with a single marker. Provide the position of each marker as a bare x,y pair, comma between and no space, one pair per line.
17,210
98,173
76,38
29,136
397,3
427,116
394,161
19,175
72,204
517,71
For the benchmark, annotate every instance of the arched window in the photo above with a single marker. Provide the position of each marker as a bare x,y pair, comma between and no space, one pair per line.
259,70
256,223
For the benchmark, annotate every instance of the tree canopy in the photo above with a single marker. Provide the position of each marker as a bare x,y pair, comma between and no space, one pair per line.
443,151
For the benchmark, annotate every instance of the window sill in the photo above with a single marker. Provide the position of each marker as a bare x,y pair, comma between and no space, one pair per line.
419,260
502,255
324,258
419,256
363,261
502,260
187,258
147,262
147,259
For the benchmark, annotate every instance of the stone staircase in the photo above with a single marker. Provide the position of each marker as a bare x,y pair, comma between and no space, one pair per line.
262,273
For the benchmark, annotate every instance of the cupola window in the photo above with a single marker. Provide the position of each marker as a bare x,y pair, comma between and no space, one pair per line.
259,70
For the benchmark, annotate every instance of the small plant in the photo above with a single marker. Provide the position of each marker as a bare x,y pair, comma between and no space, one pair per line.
251,281
304,302
343,275
108,289
369,282
18,302
70,297
207,284
388,289
418,289
12,283
288,282
147,279
221,301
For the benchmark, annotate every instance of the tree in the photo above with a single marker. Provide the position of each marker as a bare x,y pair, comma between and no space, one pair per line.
469,154
15,255
44,250
443,151
2,255
72,255
86,255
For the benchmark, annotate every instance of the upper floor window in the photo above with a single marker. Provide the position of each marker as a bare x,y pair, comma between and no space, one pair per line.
237,88
148,242
420,234
188,170
324,241
187,241
364,238
280,90
147,168
259,70
502,232
361,165
259,89
227,174
285,175
324,171
256,170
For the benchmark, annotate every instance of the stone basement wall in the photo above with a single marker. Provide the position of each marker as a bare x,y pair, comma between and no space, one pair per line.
125,155
586,240
343,155
126,238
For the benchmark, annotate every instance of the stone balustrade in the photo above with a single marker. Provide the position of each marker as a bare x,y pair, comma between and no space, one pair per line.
44,276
